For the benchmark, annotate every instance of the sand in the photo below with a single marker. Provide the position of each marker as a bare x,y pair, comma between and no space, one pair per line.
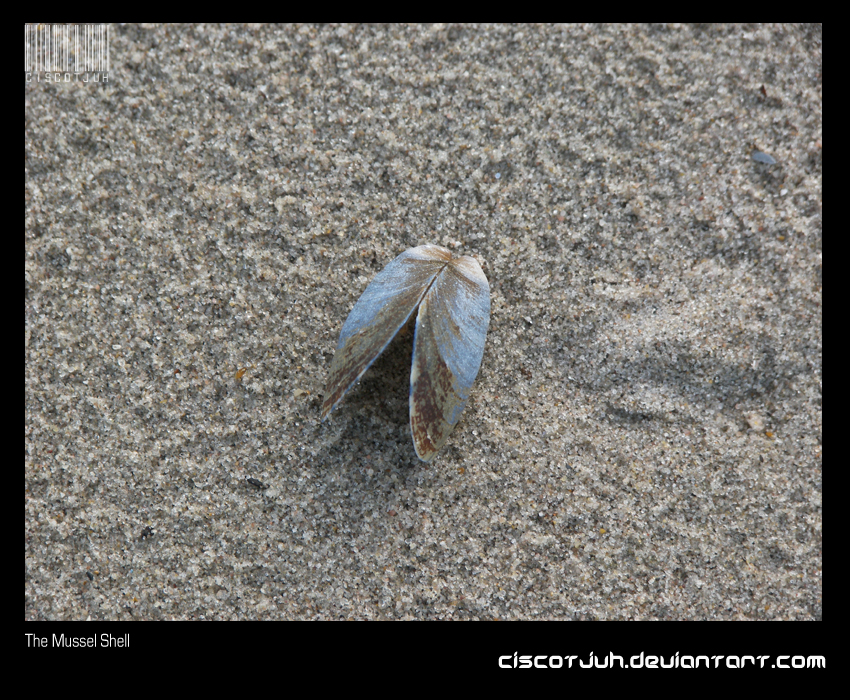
644,438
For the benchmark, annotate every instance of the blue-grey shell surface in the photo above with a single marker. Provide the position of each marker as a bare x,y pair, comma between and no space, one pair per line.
453,298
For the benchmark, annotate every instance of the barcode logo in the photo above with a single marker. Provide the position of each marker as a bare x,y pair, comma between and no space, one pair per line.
66,48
